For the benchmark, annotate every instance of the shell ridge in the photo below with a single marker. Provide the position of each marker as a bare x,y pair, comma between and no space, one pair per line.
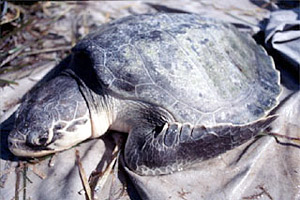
144,63
183,50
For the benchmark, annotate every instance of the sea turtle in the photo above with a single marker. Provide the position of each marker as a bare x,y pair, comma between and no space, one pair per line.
185,88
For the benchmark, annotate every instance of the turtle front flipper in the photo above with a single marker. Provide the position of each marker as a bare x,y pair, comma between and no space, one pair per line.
174,146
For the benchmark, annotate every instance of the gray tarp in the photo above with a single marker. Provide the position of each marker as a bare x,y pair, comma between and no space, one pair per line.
261,168
283,36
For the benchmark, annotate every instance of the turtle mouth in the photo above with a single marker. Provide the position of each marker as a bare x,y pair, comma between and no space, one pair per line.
22,149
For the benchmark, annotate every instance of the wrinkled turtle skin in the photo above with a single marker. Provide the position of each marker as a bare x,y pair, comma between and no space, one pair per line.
185,88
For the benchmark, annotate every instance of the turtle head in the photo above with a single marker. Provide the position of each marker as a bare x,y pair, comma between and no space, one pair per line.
54,117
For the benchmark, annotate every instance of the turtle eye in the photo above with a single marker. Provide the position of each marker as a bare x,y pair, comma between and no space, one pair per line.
43,140
35,140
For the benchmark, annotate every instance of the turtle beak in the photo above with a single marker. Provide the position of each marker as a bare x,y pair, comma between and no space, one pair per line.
18,146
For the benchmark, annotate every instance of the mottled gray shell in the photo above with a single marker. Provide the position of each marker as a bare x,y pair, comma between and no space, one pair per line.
200,70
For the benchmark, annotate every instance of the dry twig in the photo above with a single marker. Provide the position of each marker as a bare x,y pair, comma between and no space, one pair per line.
63,48
17,15
12,56
84,180
38,172
104,175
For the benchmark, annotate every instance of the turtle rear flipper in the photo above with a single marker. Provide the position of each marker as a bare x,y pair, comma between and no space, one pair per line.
155,151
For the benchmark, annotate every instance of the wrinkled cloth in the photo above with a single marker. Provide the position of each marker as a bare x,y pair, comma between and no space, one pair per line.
282,34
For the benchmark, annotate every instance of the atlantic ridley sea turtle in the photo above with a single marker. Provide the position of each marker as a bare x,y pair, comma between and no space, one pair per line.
185,88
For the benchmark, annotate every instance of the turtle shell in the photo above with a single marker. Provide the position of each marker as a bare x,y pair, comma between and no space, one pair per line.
202,71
